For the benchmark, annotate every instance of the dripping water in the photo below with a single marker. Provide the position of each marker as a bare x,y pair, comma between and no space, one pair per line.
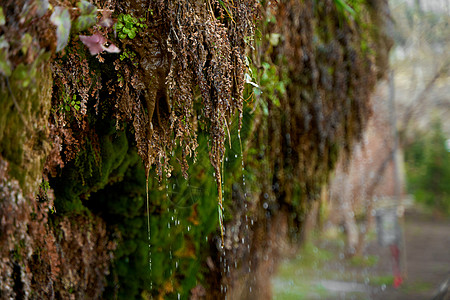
245,206
149,235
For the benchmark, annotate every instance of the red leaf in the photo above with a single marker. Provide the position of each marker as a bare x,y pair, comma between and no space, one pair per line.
94,43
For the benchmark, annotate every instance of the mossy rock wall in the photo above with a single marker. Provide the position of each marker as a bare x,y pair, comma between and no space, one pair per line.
83,136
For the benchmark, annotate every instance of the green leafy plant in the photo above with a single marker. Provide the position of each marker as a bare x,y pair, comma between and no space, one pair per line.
70,102
131,55
271,84
129,26
44,185
428,170
88,16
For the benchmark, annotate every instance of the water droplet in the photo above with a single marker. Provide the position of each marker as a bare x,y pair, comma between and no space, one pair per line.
265,205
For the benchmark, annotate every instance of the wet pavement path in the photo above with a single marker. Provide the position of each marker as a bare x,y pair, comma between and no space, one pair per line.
427,241
325,274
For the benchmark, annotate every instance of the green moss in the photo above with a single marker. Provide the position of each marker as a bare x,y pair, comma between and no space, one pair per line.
25,109
92,171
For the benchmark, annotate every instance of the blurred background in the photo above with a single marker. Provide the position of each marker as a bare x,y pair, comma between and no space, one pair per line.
388,236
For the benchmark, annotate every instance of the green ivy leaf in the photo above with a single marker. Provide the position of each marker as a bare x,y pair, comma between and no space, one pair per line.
127,18
61,19
88,16
84,22
87,8
132,34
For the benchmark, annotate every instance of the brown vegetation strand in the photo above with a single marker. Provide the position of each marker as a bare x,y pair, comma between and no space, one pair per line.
327,99
328,62
191,48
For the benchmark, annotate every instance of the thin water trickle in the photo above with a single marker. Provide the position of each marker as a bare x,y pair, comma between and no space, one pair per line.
149,236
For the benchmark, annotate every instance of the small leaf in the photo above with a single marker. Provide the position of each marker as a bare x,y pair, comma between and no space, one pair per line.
132,34
88,15
94,43
122,35
2,17
84,22
274,39
5,65
26,42
127,18
87,8
61,19
3,42
41,7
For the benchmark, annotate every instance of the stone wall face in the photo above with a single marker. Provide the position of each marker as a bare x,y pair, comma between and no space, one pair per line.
82,136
